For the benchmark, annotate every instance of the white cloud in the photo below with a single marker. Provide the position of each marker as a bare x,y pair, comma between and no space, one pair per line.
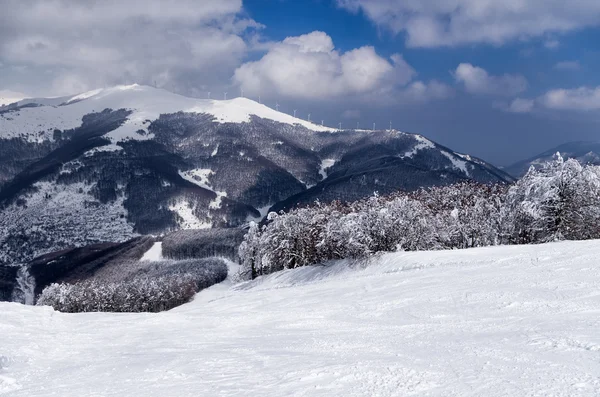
520,105
575,99
568,65
182,45
582,98
419,91
433,23
478,81
517,105
309,67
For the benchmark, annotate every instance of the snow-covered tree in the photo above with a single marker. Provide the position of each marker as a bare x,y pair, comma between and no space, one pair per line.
559,201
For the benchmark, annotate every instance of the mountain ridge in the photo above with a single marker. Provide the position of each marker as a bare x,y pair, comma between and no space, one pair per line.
586,152
155,162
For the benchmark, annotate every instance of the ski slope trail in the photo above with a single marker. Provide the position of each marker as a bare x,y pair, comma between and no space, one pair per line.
500,321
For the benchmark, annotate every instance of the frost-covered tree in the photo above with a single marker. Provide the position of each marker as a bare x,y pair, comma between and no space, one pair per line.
155,287
249,252
559,201
140,295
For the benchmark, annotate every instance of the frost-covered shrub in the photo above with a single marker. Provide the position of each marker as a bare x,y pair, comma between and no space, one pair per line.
205,272
157,287
559,201
142,294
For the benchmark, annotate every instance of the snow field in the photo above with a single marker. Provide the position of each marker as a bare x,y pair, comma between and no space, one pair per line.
154,254
496,321
147,103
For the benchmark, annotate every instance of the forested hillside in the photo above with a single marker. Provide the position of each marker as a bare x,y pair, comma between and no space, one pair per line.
557,202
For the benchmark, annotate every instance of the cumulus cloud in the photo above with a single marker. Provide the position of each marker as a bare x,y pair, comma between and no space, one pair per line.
477,80
309,67
424,91
181,45
433,23
574,99
582,98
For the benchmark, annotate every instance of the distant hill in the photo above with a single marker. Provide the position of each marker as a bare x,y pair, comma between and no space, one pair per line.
584,152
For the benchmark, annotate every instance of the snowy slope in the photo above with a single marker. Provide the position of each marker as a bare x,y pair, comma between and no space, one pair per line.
8,97
148,104
501,321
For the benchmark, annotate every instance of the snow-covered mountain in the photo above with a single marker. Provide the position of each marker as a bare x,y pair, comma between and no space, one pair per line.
114,163
8,97
496,321
582,151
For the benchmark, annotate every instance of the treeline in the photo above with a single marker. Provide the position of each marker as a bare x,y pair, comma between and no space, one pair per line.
156,287
203,243
559,201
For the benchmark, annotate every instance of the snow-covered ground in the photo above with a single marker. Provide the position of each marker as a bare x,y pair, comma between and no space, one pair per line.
325,164
154,254
423,144
502,321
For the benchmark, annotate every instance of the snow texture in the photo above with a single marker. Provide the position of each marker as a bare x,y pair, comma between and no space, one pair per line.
456,162
500,321
187,219
25,289
82,221
423,143
154,254
147,103
325,164
198,177
8,99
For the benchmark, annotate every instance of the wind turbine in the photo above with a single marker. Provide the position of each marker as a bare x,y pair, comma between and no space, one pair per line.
241,89
357,124
309,117
295,110
259,99
373,126
340,124
390,126
225,95
322,123
277,106
208,94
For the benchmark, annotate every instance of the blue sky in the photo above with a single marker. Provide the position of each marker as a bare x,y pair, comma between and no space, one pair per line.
551,60
498,80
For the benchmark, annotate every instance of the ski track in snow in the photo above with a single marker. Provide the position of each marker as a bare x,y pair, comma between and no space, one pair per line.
154,254
457,163
423,143
499,321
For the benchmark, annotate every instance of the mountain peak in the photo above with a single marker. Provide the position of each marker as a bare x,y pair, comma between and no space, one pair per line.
146,103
